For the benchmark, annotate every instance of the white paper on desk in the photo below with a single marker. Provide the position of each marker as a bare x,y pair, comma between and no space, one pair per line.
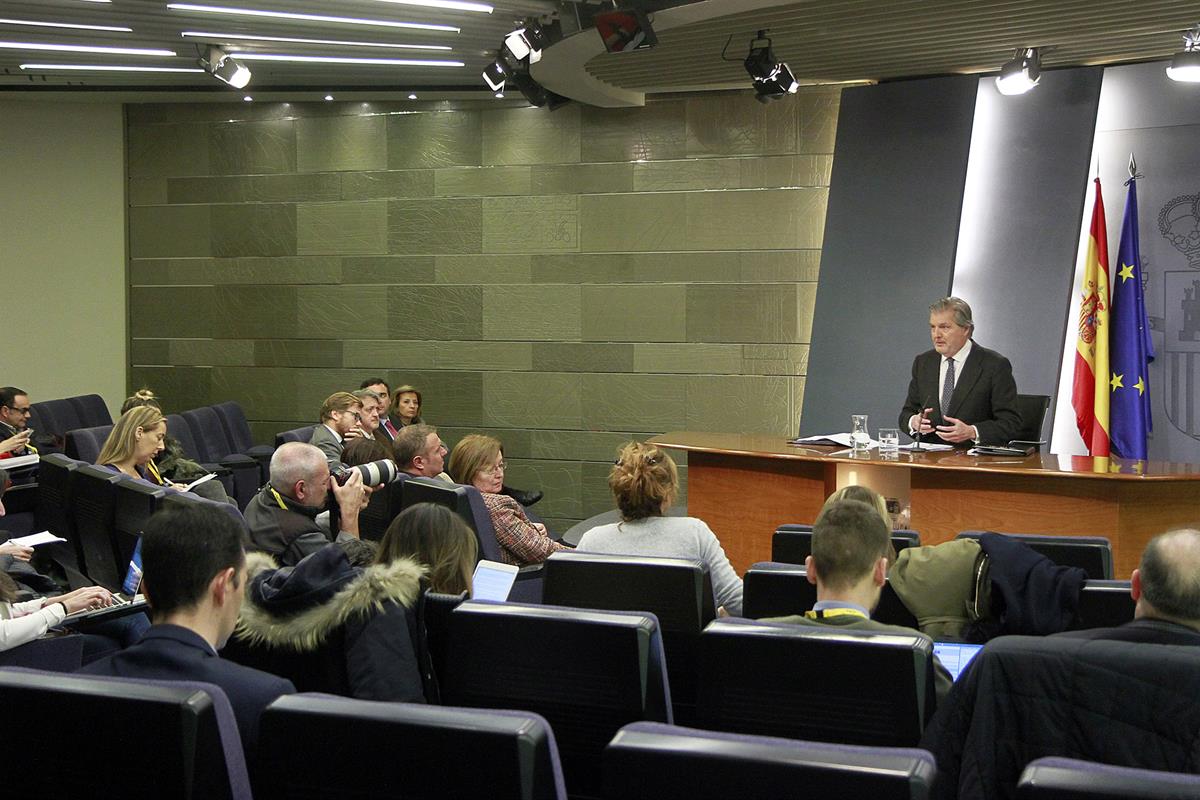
200,480
931,447
34,539
20,462
832,440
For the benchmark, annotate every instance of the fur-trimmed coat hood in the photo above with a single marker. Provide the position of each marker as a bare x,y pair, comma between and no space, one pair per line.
298,607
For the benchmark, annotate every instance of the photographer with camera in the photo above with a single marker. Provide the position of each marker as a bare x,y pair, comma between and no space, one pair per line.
282,517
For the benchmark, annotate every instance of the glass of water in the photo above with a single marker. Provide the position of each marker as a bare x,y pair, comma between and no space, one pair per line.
889,442
858,432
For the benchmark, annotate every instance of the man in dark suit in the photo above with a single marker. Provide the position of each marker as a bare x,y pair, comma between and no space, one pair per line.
960,392
1166,590
194,571
341,419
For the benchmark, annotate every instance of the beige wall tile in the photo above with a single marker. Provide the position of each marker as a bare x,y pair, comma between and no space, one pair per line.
530,224
179,387
633,223
818,112
170,311
264,392
598,446
170,231
339,312
254,229
727,124
150,351
342,228
480,181
732,313
326,144
147,191
647,402
255,312
740,403
438,139
595,496
221,271
559,480
654,132
488,268
298,352
571,357
766,219
531,399
435,226
254,189
531,136
212,352
646,313
387,185
581,178
435,312
775,359
163,151
484,355
697,173
378,355
249,148
531,313
402,270
708,359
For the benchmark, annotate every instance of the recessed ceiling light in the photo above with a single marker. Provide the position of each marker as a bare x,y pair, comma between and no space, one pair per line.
1185,65
250,12
241,37
388,62
248,99
96,1
30,23
328,97
412,97
1020,74
80,48
500,95
108,68
453,5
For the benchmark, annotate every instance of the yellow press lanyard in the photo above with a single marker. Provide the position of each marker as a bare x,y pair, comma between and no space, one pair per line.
278,499
153,470
835,612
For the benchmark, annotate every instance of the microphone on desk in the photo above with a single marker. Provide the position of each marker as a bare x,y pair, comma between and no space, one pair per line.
920,419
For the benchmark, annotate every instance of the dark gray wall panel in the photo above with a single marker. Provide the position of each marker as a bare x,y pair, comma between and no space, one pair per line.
890,236
1025,197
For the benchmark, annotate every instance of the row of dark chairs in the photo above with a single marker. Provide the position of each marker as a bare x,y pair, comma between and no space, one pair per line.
792,544
52,419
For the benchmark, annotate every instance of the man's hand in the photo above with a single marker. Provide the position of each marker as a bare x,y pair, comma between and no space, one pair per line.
355,433
920,422
15,442
351,496
956,431
19,552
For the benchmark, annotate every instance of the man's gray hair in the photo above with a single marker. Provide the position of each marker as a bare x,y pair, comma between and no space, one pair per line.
962,311
363,394
295,461
1170,571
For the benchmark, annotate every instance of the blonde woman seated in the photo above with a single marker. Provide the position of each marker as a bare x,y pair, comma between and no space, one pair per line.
478,461
645,483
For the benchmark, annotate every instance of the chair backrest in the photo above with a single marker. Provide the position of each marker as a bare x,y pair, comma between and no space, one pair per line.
385,505
772,589
791,544
435,616
1071,779
178,428
466,501
173,498
1032,410
295,435
649,760
375,749
94,508
237,428
187,739
54,487
587,672
1104,604
826,684
56,417
209,433
52,654
137,500
91,409
1092,554
85,444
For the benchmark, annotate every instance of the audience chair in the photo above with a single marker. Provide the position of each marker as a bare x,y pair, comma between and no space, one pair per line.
791,544
295,435
92,409
137,500
587,672
225,508
1032,410
373,749
56,417
435,623
677,591
1104,604
824,684
1027,697
1071,779
385,505
94,508
467,502
213,446
651,761
1092,554
53,513
152,739
771,589
49,653
85,444
178,428
237,428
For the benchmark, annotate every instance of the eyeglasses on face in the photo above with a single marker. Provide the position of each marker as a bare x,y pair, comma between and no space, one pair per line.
498,468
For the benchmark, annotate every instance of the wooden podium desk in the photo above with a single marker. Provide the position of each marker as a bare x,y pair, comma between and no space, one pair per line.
744,486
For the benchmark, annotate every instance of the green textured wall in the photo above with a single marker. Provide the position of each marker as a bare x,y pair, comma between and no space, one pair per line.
564,279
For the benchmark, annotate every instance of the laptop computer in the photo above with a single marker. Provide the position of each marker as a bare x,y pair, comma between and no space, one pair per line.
493,581
955,656
126,601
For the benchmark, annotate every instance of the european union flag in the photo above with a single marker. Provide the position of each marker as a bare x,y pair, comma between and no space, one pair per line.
1130,347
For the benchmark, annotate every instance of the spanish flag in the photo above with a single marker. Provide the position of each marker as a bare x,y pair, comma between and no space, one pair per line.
1090,392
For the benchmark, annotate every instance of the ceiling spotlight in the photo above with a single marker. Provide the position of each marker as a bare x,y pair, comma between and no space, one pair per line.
412,97
496,73
527,42
1022,73
225,68
248,99
773,79
499,95
1185,66
328,97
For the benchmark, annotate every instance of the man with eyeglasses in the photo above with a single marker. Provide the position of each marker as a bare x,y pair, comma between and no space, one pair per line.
14,420
341,419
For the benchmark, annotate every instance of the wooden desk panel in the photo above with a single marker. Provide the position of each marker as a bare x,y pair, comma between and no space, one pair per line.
745,486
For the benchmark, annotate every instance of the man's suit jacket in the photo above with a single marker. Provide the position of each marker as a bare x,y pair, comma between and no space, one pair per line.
172,652
1145,630
985,395
328,443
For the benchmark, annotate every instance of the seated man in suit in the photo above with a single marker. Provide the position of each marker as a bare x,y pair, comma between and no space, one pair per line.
1166,591
282,517
849,567
380,387
419,451
960,392
14,423
194,575
341,419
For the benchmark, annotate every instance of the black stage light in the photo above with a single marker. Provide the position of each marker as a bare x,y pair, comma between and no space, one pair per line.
773,79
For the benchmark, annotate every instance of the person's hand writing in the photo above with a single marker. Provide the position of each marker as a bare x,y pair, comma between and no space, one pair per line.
956,431
17,551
